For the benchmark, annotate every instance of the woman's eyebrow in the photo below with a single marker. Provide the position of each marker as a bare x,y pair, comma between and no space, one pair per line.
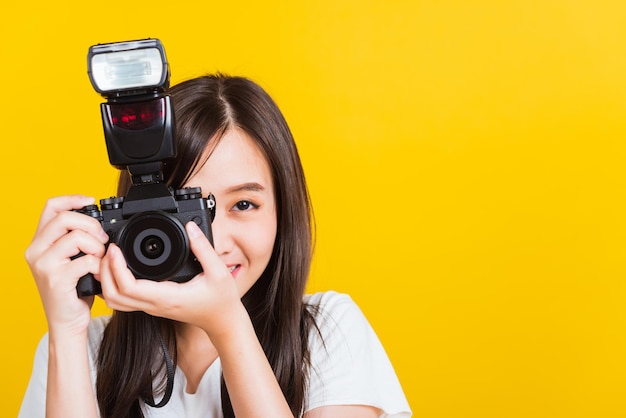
246,187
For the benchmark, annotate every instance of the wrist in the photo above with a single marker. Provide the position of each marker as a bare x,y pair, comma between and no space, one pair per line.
68,326
66,344
235,325
62,336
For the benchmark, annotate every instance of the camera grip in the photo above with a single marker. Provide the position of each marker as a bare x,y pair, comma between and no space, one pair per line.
87,285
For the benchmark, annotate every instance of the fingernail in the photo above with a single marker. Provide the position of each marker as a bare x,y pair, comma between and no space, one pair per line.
193,230
113,250
88,200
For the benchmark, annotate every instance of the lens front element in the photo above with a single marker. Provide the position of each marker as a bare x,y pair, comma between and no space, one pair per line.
154,244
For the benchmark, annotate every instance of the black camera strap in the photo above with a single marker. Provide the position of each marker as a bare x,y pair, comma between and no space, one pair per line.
169,368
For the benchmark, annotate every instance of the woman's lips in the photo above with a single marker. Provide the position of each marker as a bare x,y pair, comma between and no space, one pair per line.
234,269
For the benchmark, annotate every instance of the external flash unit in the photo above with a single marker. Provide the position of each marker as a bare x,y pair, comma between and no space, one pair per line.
133,77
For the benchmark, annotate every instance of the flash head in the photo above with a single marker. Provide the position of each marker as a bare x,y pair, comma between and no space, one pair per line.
128,68
138,120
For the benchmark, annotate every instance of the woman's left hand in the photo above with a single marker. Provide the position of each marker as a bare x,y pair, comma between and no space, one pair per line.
210,300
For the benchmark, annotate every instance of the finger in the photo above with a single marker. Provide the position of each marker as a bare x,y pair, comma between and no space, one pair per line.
69,221
58,227
123,292
59,204
74,242
49,273
202,249
81,266
57,257
109,286
118,283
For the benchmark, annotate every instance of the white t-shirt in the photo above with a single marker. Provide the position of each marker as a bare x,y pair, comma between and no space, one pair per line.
350,367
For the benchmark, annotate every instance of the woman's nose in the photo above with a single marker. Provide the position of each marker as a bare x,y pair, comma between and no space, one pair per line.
222,238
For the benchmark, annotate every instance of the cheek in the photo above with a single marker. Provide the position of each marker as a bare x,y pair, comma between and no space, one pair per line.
257,247
259,243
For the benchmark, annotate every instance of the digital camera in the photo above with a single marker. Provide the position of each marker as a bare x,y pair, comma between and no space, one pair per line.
148,224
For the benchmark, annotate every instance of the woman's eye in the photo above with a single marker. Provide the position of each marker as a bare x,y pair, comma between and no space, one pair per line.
244,205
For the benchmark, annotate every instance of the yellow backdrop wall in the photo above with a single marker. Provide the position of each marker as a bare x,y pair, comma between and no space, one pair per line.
465,160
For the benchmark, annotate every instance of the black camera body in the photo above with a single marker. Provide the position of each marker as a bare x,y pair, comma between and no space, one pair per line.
148,224
150,231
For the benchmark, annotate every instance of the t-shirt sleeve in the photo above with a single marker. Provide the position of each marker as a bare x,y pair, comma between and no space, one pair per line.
349,365
34,401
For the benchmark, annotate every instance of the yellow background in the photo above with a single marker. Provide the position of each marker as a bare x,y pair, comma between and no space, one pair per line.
465,159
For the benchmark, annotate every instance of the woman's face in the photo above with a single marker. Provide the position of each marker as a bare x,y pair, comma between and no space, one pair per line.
244,228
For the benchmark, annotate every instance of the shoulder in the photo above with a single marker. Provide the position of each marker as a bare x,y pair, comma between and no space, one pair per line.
325,297
349,365
342,329
337,314
331,305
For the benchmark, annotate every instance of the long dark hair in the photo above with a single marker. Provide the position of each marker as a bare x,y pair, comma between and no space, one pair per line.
130,355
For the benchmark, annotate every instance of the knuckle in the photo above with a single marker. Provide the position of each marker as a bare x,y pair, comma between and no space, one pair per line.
45,276
28,254
108,296
65,217
92,263
75,238
50,204
37,266
84,242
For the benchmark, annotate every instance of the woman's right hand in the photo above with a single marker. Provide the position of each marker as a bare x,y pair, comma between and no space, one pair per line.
62,234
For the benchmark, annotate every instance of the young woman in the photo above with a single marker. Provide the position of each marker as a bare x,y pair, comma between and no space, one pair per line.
239,339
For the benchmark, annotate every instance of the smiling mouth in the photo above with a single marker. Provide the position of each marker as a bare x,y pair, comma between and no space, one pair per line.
231,269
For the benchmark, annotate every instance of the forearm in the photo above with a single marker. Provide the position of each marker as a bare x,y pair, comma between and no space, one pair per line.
69,388
251,383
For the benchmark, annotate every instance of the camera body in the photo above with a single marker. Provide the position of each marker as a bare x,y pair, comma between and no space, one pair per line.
150,231
148,224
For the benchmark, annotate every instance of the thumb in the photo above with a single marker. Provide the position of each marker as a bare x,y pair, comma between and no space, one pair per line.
201,247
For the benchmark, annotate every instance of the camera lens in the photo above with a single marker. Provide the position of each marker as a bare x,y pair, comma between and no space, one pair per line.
152,247
154,244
